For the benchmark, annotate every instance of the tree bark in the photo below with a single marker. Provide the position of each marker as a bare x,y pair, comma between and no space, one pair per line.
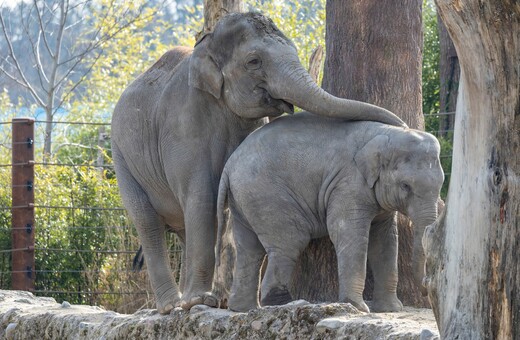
373,55
449,74
215,9
224,270
473,271
315,63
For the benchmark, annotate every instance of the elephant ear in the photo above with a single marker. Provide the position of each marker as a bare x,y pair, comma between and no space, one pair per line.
369,159
204,73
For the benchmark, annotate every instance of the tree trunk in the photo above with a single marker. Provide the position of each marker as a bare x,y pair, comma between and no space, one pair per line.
449,74
315,63
224,270
473,267
373,55
47,141
215,9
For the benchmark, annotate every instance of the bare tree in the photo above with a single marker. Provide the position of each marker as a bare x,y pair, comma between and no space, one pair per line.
472,265
60,67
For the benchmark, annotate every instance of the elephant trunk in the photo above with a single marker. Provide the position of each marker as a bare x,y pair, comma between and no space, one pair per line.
420,223
294,85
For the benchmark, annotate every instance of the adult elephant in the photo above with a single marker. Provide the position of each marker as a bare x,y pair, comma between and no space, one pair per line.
176,125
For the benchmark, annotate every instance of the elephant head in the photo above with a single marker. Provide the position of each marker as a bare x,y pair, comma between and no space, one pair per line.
249,65
405,172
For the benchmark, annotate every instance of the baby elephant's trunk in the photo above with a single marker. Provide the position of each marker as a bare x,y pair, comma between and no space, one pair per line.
419,226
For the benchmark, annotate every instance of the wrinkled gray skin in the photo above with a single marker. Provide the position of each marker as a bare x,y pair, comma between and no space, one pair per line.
303,177
175,126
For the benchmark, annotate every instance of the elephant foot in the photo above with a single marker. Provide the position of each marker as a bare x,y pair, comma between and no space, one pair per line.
206,298
358,303
242,304
277,296
166,303
386,304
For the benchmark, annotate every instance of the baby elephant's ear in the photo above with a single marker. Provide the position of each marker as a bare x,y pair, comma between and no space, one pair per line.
369,158
204,73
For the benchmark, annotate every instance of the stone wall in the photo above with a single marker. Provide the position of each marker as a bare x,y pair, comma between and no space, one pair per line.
24,316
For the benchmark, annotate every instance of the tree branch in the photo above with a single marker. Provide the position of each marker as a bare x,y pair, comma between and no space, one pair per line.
15,79
10,76
42,29
93,45
38,58
36,53
73,144
57,53
79,59
83,77
24,82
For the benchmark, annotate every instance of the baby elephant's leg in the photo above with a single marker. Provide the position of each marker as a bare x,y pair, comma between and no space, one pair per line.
349,231
382,256
246,277
282,255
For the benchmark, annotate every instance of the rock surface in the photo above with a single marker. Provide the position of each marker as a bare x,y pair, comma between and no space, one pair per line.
24,316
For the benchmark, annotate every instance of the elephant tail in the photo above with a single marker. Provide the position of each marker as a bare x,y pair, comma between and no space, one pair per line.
138,262
221,204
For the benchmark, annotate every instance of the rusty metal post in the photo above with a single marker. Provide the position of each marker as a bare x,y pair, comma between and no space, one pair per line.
23,204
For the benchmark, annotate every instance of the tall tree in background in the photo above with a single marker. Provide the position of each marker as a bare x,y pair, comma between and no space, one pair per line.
473,267
61,67
215,9
449,74
373,55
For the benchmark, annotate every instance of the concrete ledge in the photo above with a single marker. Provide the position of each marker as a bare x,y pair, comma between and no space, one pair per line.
24,316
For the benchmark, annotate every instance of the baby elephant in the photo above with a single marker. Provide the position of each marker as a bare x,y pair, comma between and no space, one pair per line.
303,177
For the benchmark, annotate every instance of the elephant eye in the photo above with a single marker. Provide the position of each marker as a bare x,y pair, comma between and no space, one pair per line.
253,63
405,187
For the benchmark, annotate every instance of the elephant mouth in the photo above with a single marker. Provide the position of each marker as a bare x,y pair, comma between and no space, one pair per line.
284,106
279,104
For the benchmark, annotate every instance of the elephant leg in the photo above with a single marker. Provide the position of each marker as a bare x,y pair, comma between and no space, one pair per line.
151,233
382,256
246,277
200,229
282,255
350,238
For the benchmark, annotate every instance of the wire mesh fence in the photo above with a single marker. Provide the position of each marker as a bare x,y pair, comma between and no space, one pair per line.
84,243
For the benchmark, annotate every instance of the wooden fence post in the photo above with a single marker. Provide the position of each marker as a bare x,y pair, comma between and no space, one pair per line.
23,271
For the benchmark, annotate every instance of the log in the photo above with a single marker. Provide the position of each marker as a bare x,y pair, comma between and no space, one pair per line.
473,267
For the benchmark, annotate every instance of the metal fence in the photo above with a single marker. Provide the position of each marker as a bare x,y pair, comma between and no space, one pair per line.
441,125
63,231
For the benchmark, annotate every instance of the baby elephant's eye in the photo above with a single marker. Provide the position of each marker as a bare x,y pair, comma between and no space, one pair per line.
254,63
